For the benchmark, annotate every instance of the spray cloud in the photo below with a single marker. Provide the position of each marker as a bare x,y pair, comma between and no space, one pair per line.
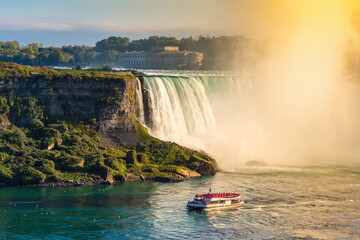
302,105
306,107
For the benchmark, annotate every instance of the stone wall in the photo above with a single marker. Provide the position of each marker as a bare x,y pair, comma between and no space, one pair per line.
110,102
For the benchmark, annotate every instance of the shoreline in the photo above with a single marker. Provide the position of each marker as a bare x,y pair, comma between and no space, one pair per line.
130,178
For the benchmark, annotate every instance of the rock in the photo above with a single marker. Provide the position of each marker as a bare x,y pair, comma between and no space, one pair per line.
148,110
188,173
59,142
255,163
107,174
69,181
170,178
204,167
51,146
78,183
120,178
81,163
107,182
132,177
4,121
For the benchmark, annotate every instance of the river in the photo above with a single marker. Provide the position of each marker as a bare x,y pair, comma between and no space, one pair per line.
280,203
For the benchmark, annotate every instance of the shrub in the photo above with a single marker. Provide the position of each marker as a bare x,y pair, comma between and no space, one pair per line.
141,157
47,167
53,178
26,106
150,169
3,156
5,175
61,127
103,68
193,165
17,137
4,107
131,157
48,143
70,162
168,168
36,124
29,175
50,136
113,163
51,133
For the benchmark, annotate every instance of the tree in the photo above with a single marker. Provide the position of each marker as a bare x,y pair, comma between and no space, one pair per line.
113,43
55,57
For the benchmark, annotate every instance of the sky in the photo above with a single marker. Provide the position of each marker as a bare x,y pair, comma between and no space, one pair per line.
70,22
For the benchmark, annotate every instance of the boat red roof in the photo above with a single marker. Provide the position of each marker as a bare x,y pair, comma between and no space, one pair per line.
218,195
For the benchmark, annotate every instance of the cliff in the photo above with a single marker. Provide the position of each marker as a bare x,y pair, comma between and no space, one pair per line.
80,127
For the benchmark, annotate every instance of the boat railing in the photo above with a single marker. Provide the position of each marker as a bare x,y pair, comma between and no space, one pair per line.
218,195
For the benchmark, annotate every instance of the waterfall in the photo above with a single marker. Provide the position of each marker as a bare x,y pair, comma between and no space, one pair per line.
139,102
181,105
239,117
215,113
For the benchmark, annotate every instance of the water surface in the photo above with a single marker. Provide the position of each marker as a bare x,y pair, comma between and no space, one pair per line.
286,203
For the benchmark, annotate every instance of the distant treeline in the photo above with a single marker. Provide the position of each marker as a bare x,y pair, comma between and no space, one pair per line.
223,53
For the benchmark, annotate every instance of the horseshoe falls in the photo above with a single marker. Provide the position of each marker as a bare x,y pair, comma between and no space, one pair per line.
180,107
238,118
200,111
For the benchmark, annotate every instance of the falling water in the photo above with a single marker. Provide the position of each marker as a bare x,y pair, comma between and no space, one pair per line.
184,105
139,103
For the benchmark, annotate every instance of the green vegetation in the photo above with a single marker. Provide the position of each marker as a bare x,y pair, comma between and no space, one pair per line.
61,151
219,52
103,68
35,148
16,72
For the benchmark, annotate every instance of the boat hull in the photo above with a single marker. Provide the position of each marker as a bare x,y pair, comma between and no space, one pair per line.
210,208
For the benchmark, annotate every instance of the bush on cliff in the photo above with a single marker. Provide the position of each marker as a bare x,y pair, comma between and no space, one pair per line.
6,175
131,157
29,175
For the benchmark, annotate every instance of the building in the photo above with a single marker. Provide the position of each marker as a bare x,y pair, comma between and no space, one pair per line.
161,57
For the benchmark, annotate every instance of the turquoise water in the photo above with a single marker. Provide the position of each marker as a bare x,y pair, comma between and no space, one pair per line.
292,203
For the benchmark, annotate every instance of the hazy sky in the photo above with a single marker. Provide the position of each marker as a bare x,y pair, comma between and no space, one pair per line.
87,21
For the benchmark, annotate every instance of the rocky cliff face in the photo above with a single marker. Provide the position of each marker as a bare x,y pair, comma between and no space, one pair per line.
57,126
110,101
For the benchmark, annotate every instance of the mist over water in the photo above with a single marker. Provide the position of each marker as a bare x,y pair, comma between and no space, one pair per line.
309,103
299,105
207,112
230,121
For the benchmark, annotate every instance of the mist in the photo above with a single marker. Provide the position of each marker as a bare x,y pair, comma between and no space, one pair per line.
305,103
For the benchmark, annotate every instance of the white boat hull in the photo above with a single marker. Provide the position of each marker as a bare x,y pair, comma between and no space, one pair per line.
194,206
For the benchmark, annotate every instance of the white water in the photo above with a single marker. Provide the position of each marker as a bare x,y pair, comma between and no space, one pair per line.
139,103
228,116
180,107
199,111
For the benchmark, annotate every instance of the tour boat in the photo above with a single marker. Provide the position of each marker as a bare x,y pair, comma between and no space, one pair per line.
212,201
